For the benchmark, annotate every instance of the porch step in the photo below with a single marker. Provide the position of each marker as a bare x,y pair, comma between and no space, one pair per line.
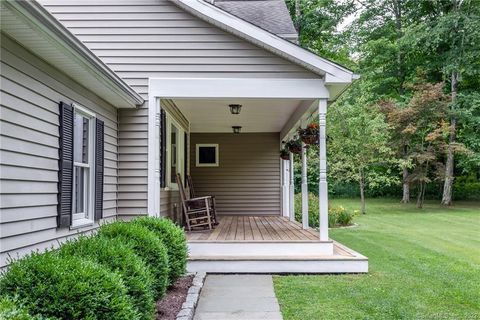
278,264
260,248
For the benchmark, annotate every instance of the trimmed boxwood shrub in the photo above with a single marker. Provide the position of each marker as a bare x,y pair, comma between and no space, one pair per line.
147,246
12,310
67,288
174,240
119,257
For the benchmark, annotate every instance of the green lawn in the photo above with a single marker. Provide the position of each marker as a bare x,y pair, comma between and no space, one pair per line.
424,264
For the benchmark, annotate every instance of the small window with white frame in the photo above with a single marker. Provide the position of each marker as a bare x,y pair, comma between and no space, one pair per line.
207,155
83,166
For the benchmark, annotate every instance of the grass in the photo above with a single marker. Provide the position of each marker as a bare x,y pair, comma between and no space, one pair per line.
424,264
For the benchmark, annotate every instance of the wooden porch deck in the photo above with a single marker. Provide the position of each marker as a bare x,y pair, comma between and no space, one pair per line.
268,244
255,228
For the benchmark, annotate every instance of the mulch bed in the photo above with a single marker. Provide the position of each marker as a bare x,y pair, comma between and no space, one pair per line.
171,304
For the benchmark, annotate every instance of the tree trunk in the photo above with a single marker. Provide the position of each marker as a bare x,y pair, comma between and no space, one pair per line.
397,9
406,187
362,191
297,15
449,165
420,195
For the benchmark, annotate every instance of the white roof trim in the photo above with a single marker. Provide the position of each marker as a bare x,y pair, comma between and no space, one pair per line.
35,15
266,40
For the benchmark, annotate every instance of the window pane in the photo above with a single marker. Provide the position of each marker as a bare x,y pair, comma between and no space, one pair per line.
80,136
173,157
80,187
207,155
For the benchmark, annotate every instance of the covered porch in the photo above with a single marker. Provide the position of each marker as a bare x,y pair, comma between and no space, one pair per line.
268,244
253,187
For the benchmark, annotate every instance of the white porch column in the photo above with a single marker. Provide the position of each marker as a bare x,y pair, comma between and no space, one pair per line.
304,188
285,188
323,189
291,201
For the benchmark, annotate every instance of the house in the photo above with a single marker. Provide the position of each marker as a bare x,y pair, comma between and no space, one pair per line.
140,90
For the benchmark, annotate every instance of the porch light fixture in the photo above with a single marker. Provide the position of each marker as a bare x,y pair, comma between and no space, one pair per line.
236,129
235,108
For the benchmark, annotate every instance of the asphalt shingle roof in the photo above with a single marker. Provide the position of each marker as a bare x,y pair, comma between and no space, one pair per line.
271,15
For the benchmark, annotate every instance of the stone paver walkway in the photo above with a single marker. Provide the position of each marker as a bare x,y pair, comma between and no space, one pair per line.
238,297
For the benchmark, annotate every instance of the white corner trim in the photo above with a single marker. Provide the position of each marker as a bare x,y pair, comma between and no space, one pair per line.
151,193
264,39
238,88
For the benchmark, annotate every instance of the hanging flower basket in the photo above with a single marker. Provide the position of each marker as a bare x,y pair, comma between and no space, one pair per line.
310,139
310,134
294,146
284,154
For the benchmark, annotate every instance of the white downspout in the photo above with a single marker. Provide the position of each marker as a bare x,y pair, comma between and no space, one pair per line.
291,201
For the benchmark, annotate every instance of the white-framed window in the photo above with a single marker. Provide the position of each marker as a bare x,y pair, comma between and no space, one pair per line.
206,155
175,152
83,166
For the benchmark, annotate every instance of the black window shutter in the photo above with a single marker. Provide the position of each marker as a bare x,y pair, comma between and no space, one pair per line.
163,149
65,166
99,159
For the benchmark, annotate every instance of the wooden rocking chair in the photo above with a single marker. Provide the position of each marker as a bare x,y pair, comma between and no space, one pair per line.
198,211
211,200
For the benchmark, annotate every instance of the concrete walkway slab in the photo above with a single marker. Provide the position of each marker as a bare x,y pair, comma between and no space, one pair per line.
238,297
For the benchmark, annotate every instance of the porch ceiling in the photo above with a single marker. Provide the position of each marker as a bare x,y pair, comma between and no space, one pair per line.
257,115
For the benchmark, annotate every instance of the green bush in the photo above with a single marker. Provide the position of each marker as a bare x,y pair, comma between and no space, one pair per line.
173,237
118,257
147,246
67,288
337,216
343,217
313,209
10,309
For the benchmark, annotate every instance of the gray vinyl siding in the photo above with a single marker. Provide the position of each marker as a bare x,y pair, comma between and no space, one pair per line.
30,93
139,39
247,180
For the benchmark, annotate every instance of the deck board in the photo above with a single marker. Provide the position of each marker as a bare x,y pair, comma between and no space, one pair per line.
255,228
248,228
257,235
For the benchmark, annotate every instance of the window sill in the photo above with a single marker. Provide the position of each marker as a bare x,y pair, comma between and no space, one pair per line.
81,223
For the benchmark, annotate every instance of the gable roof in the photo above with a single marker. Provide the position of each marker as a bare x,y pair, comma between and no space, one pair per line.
332,73
37,30
271,15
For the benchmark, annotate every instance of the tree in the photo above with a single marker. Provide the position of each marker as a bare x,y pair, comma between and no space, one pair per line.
317,23
358,147
378,34
447,37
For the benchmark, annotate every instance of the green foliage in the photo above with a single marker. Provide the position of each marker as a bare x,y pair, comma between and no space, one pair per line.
318,27
67,287
395,45
467,188
173,237
313,209
118,257
337,216
10,309
146,245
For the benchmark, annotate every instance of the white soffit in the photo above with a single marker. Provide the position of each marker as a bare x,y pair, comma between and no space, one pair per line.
257,115
28,23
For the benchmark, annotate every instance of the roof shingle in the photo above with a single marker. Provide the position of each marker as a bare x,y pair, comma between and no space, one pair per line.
271,15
